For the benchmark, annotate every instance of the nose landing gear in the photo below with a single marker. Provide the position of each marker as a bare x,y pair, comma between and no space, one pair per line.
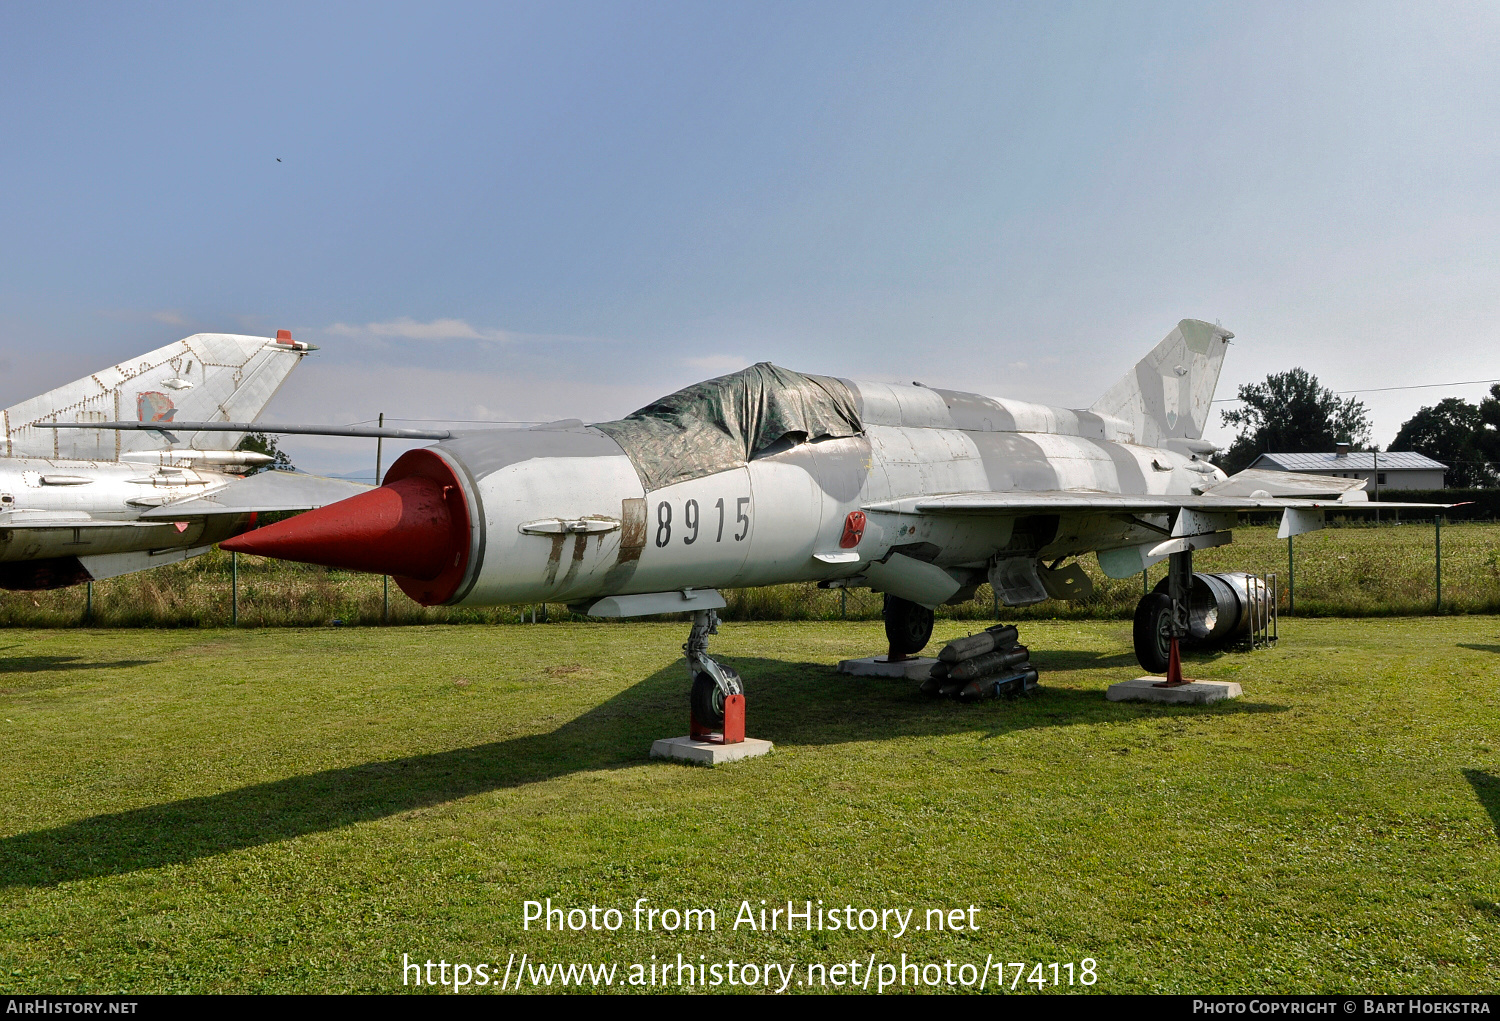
716,706
717,701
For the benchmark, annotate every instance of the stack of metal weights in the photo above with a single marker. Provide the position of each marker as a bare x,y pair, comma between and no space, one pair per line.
981,666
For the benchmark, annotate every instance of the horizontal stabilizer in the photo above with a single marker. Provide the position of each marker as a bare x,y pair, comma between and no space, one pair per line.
268,491
1274,483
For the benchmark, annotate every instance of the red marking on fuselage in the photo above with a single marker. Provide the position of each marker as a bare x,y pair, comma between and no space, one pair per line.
854,530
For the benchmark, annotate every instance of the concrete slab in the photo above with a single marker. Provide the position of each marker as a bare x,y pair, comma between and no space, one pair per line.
708,753
878,666
1143,689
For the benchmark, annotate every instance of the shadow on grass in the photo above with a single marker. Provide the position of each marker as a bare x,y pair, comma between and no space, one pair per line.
791,703
1053,659
1487,789
38,664
1479,648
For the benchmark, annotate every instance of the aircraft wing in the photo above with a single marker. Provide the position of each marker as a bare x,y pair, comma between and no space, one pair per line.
267,491
1086,501
1249,490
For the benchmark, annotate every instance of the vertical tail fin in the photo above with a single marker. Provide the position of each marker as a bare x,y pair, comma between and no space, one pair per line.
203,378
1169,393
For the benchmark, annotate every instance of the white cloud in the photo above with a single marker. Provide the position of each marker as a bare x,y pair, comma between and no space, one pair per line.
406,328
171,317
717,363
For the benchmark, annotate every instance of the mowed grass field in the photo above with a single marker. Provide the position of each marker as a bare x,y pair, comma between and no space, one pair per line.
293,810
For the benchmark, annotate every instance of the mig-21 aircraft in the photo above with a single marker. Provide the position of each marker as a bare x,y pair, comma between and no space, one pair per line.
768,476
92,501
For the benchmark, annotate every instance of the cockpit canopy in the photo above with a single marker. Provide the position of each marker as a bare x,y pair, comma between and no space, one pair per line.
725,422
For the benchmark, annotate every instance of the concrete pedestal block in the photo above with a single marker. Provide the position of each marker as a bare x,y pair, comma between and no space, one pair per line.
878,666
1144,689
707,752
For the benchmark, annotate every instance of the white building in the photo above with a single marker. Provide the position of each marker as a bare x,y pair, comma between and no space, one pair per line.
1396,469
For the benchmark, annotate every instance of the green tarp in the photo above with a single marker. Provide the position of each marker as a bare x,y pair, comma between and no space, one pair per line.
723,423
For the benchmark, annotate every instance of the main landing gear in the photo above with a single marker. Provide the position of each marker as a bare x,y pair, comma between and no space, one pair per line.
1161,622
908,627
717,701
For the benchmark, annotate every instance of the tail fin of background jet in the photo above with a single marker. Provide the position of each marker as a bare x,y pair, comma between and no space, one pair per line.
204,378
1169,393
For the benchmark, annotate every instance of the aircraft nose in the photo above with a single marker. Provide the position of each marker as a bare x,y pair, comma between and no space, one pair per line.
415,528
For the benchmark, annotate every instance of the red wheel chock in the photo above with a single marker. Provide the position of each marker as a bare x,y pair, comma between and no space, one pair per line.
734,724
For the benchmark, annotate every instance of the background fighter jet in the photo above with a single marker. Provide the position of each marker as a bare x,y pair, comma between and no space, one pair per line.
92,501
769,476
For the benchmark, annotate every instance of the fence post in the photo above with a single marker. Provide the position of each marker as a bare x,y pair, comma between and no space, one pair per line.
1437,537
385,580
234,589
843,603
88,605
1291,579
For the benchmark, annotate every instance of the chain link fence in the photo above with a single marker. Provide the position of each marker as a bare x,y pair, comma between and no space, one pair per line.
1410,568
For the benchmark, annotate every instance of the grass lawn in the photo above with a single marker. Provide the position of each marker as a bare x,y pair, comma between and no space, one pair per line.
292,810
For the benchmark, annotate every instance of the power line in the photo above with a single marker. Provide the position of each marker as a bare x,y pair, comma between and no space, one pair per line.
1380,389
1416,386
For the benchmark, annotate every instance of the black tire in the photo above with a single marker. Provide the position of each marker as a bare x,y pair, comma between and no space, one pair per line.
1152,632
707,702
908,626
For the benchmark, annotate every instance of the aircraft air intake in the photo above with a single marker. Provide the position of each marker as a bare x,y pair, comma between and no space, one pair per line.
414,527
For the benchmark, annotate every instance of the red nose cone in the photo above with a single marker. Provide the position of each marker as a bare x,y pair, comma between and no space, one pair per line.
415,527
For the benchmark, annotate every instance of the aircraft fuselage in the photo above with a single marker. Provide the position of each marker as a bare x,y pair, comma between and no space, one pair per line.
560,514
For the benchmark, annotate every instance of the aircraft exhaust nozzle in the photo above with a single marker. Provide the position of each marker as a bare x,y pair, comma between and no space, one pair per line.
415,527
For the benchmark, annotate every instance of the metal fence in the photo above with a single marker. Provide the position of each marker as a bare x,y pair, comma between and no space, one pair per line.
1410,568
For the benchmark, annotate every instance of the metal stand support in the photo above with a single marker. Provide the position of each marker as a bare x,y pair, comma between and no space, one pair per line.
1179,585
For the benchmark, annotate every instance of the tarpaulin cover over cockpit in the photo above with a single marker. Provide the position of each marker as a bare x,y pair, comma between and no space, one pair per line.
723,423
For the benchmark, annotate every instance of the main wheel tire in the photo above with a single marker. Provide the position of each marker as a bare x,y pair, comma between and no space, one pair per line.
908,626
1153,631
707,702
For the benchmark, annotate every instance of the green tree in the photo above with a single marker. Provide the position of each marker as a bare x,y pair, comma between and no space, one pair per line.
1489,431
1292,413
263,443
1453,431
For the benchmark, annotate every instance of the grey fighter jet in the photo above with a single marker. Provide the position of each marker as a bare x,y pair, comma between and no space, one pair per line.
94,501
769,476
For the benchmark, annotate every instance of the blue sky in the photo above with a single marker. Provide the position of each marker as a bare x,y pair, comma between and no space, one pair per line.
530,211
